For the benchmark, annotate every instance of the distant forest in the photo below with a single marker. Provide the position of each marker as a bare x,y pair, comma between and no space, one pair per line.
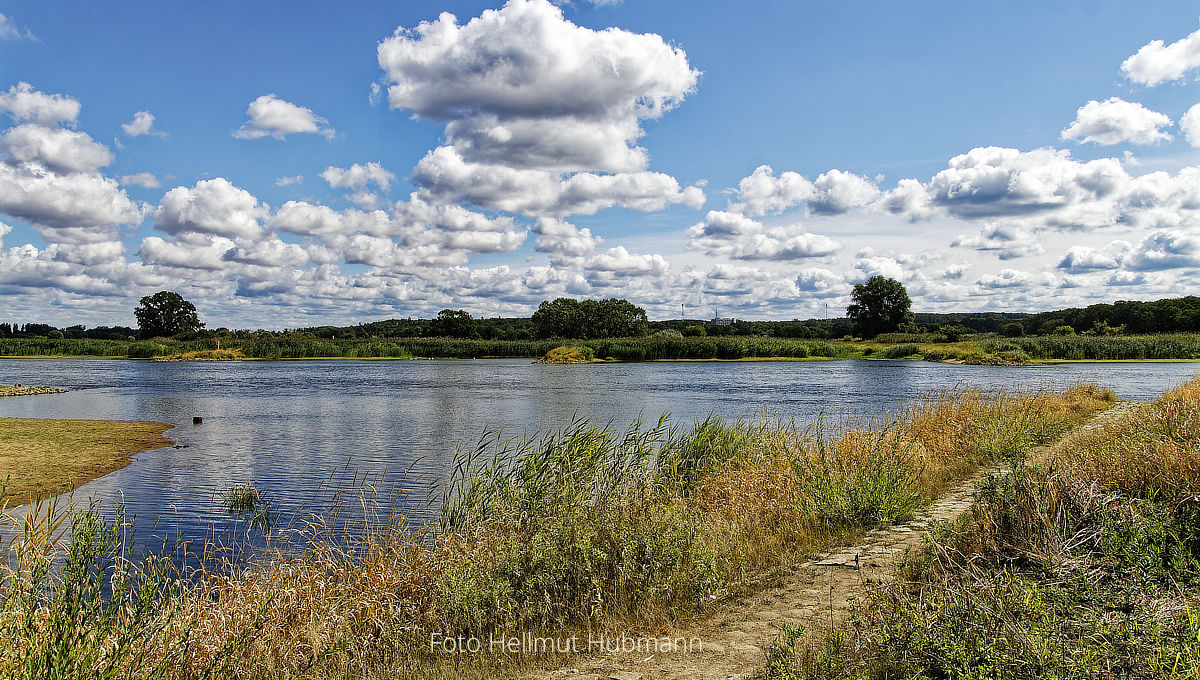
1176,315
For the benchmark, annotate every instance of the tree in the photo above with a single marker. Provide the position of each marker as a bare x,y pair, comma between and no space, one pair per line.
165,314
453,323
588,319
880,305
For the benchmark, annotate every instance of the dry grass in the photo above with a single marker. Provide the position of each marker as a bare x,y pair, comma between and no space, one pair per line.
41,458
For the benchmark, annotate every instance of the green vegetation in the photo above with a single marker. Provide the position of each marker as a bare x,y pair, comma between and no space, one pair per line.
583,527
165,314
1092,347
569,354
1081,561
239,500
881,305
588,319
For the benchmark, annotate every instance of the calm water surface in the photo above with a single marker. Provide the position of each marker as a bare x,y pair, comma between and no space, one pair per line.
297,430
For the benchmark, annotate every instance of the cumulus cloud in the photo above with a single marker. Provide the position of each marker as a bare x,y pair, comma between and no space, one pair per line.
727,234
542,116
1166,249
1044,187
1190,125
445,177
79,206
211,206
524,87
763,192
1080,259
839,192
187,251
1114,121
142,124
622,262
289,181
277,118
816,281
563,239
145,180
1012,278
1006,241
27,105
1156,62
63,151
358,176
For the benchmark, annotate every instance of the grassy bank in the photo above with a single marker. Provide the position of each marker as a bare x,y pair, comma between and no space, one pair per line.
1082,561
41,458
583,528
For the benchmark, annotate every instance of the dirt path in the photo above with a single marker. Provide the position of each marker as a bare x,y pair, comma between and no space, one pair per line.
817,595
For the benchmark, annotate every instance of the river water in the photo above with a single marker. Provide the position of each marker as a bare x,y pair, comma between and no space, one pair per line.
300,430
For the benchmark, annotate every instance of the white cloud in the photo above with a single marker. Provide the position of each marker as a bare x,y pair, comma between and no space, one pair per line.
268,253
563,239
762,192
815,281
142,179
726,234
1166,249
63,151
358,176
1012,278
524,87
4,229
1114,121
26,104
274,117
10,31
542,116
142,124
444,177
187,251
211,206
289,181
1080,259
1006,241
1156,63
620,261
839,192
1190,125
83,206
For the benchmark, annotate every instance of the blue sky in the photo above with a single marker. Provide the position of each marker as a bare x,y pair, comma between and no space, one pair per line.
289,164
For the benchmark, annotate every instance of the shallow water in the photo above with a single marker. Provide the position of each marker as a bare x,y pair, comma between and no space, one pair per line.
299,430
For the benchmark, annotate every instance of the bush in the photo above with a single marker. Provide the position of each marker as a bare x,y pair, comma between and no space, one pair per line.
1012,330
900,351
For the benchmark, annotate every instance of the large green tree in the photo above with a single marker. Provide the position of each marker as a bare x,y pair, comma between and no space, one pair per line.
165,314
881,305
453,323
588,319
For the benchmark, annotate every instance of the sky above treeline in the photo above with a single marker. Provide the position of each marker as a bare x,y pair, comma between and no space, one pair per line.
286,164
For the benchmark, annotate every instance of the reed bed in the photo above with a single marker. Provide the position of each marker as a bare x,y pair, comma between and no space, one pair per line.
584,527
1081,561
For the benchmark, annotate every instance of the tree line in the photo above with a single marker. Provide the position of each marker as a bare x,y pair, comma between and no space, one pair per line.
878,307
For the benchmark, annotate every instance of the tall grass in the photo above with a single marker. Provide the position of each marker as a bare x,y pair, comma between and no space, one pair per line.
1168,346
586,526
295,346
1081,561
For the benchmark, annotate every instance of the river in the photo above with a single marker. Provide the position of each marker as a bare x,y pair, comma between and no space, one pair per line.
300,430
